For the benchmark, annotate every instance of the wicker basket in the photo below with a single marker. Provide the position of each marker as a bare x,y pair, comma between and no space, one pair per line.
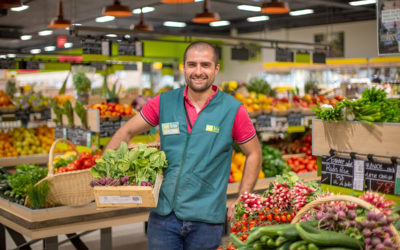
69,188
347,198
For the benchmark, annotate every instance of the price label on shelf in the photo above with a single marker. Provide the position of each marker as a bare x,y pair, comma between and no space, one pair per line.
120,199
358,181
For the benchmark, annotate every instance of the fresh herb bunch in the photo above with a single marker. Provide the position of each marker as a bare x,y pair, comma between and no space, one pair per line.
37,194
58,111
141,164
81,83
260,86
81,112
25,177
69,112
326,112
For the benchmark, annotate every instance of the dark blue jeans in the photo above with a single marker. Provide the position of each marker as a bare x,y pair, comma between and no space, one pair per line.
170,233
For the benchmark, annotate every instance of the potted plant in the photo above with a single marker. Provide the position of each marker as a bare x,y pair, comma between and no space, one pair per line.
82,86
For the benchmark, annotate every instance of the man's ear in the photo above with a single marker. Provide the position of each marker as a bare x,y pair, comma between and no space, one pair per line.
217,68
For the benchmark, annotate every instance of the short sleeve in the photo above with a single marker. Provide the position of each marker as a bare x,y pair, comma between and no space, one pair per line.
243,129
150,111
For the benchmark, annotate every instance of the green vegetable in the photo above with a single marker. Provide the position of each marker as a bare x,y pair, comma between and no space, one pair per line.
273,163
312,246
81,112
11,88
327,238
285,246
141,163
64,86
81,83
296,245
113,93
235,240
37,194
58,111
69,112
25,177
260,86
280,240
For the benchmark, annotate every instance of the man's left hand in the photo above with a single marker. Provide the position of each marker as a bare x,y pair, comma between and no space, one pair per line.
231,211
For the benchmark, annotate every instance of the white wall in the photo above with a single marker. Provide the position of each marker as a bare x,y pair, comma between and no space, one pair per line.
360,40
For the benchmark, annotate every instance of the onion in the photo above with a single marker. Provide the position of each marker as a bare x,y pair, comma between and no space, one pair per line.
380,247
367,240
366,232
387,242
341,214
371,215
351,214
377,231
375,241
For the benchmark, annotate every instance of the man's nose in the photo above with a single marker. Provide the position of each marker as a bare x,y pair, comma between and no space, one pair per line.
198,70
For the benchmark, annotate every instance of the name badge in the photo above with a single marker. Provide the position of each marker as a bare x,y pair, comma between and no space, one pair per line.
170,128
212,128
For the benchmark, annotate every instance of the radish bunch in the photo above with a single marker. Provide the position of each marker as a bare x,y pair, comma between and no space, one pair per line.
251,202
377,232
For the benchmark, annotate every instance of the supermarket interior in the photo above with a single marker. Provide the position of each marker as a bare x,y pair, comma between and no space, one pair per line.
318,82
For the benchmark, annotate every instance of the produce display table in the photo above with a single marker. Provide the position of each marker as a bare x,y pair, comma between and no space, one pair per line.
47,223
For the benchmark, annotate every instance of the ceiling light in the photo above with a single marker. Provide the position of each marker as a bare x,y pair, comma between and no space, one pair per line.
174,24
143,10
141,25
3,57
45,32
68,45
177,1
11,55
219,23
275,7
301,12
35,51
7,4
117,10
59,22
257,19
363,2
20,8
26,37
198,1
50,48
206,16
249,8
111,35
127,36
104,19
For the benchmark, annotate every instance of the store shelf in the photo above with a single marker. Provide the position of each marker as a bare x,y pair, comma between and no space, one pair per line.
26,159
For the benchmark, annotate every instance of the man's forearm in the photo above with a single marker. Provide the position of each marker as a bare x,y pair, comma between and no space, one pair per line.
251,170
117,138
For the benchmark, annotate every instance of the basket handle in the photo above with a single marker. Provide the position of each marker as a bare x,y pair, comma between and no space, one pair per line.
51,153
348,198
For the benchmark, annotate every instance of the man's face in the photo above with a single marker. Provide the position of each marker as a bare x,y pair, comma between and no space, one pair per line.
200,69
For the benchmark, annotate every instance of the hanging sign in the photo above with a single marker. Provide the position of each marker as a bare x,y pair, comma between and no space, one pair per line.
265,122
61,40
388,19
338,171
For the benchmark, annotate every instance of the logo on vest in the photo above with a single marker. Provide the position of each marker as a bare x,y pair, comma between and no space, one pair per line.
170,128
212,128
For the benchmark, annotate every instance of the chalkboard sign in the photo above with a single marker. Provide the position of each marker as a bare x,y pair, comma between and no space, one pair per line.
265,122
22,115
45,114
80,136
108,128
8,64
380,177
126,48
295,119
60,132
91,46
283,55
337,171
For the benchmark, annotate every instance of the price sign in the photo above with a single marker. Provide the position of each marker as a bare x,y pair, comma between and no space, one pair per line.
108,128
80,137
91,46
337,171
8,64
265,122
60,132
380,177
295,119
45,114
22,115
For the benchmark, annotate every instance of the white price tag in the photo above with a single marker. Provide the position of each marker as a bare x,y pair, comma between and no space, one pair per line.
358,182
120,199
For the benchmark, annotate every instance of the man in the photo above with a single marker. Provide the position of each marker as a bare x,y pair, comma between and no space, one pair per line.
198,124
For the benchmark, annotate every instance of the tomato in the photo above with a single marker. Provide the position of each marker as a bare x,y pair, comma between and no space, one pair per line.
244,216
244,236
233,229
269,217
244,223
220,248
277,218
238,224
88,163
277,211
244,229
85,155
252,223
283,218
71,167
262,218
289,217
240,238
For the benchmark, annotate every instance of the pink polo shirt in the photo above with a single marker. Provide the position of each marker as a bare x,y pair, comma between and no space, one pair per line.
243,129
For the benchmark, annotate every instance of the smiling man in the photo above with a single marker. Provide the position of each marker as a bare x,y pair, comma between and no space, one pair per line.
198,125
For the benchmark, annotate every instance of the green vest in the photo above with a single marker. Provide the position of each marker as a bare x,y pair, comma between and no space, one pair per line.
199,162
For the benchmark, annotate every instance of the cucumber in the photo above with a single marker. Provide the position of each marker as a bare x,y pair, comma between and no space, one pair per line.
285,246
271,243
312,246
280,240
235,241
328,238
336,248
269,231
296,245
263,239
290,234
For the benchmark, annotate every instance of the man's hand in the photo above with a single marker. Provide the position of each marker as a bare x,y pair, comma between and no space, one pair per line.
231,211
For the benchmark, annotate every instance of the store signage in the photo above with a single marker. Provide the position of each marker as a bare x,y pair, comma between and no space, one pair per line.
22,115
388,18
265,122
91,46
45,114
283,55
61,40
295,119
337,171
108,128
31,65
130,48
319,57
60,132
106,48
240,54
361,174
303,57
8,64
79,136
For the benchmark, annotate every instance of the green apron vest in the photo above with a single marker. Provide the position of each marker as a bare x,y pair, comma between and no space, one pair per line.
199,162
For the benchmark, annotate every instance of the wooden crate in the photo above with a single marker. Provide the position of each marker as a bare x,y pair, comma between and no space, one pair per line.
128,196
377,139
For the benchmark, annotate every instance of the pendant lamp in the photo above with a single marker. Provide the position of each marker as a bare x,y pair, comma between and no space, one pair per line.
59,22
141,25
8,4
205,16
117,10
275,7
177,1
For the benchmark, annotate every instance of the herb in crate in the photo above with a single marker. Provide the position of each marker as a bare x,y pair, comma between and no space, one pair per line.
138,166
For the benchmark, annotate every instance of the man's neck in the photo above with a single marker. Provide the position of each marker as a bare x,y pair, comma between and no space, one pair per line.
199,99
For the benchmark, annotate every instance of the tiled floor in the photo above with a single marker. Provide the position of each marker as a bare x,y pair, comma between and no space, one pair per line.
124,237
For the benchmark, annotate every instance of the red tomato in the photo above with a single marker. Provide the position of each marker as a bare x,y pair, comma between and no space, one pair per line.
85,155
238,224
277,218
244,216
262,218
244,229
244,223
269,217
